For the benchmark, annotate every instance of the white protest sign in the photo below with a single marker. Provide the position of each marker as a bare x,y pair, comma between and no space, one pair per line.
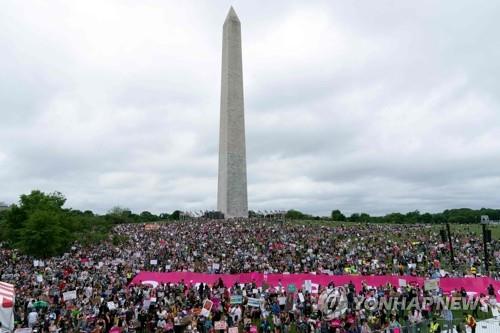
233,330
154,262
431,284
253,302
220,325
282,300
207,307
69,295
402,282
308,286
111,306
301,298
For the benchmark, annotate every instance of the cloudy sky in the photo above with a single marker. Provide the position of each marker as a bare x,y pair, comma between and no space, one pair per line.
364,106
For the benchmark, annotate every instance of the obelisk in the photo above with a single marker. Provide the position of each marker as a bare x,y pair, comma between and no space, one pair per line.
232,184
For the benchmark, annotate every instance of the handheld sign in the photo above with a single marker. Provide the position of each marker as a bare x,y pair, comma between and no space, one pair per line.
236,299
220,325
207,307
254,302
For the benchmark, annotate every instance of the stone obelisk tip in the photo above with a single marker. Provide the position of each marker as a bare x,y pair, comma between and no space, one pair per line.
231,15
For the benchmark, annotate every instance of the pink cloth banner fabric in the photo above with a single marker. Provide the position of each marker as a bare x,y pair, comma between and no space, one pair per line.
475,285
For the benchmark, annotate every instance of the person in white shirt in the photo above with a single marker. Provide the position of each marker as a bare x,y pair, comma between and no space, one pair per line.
235,314
32,318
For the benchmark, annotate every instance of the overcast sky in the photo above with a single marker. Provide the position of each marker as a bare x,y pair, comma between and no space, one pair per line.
363,106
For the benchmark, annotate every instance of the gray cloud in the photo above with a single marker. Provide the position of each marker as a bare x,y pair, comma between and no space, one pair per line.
362,106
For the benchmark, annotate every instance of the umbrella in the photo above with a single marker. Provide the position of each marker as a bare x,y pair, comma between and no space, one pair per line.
40,304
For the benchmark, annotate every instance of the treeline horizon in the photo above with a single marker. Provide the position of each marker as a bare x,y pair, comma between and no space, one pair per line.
455,216
38,225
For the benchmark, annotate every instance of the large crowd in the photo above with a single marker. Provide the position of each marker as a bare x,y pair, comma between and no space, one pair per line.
106,302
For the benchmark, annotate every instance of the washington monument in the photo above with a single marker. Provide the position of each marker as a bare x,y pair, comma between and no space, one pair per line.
232,186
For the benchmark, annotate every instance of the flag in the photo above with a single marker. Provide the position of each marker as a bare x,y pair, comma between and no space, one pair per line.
7,300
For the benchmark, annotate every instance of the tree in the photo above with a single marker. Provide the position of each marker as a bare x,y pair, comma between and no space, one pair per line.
117,215
354,217
293,214
364,217
44,235
176,215
337,215
39,200
14,222
148,217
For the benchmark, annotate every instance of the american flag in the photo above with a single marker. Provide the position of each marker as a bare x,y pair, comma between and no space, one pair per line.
7,295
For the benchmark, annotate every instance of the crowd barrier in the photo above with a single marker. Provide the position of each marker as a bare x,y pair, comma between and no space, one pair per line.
472,285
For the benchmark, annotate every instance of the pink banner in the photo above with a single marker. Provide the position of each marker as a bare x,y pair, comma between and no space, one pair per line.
471,285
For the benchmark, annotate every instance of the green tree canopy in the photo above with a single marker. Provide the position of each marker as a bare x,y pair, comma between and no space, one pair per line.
295,215
44,234
337,215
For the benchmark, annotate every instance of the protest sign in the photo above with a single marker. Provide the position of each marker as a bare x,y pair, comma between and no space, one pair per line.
39,278
308,286
111,306
402,282
236,299
151,227
233,330
253,302
291,288
69,295
282,300
301,298
215,266
431,284
207,307
220,325
154,262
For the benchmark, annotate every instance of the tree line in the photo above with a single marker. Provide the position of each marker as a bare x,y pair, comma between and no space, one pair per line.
457,216
40,226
